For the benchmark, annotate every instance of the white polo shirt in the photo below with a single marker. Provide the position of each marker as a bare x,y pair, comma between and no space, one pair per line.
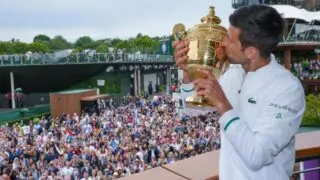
257,136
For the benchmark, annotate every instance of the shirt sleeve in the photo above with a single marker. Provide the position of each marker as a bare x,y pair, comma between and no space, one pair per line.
276,126
187,90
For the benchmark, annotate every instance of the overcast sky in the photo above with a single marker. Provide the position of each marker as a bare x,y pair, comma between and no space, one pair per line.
23,19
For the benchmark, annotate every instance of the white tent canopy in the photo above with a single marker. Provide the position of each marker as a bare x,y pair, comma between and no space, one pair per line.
291,12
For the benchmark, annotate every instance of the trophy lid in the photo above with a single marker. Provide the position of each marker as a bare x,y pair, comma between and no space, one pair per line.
211,17
209,28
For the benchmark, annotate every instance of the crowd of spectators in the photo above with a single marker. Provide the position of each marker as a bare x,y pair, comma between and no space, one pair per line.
135,136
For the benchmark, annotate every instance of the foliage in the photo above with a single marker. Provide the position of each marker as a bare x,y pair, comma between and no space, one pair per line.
115,41
39,47
13,47
84,42
59,43
43,43
102,48
162,88
77,50
312,112
42,38
305,64
6,48
20,47
96,44
123,44
142,44
146,45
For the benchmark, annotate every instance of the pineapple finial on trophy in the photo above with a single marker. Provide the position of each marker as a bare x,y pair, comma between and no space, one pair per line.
211,17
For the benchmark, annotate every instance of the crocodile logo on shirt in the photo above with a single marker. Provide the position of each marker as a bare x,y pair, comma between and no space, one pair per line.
252,101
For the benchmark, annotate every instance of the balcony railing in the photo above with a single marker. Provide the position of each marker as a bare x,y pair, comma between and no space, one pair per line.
311,39
297,3
79,58
206,166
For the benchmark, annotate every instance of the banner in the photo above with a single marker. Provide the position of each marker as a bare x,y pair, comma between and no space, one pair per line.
165,46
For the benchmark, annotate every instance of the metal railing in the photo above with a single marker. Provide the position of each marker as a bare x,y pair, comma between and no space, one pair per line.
299,3
306,171
300,39
81,58
296,174
307,156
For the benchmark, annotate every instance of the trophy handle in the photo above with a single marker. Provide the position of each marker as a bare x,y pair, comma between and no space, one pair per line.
179,32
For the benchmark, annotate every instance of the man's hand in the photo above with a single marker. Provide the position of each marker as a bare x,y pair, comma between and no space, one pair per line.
181,49
211,89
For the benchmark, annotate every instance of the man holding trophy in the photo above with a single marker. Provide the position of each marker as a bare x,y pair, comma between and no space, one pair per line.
260,103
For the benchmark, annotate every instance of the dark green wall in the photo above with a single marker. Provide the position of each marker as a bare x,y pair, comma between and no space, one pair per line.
115,83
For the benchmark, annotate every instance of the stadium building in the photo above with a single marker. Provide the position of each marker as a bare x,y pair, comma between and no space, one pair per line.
299,50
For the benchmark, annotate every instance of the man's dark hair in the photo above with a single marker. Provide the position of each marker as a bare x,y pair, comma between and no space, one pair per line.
260,26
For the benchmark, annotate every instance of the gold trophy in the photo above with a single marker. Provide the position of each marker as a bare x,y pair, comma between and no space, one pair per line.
205,51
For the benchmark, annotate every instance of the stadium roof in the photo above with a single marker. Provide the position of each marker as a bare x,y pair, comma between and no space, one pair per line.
291,12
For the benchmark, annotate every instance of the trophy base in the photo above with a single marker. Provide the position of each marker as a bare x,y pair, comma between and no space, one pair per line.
198,101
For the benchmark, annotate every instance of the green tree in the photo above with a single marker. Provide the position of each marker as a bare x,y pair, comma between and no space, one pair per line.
20,47
84,42
2,48
154,48
59,43
78,49
39,47
132,45
115,41
42,38
122,45
145,44
95,44
6,48
312,112
13,47
102,48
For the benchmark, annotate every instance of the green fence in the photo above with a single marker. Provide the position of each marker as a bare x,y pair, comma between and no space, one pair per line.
27,114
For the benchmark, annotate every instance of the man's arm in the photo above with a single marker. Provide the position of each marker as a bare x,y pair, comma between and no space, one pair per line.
278,123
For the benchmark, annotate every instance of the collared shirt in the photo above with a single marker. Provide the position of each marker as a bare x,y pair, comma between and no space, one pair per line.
258,135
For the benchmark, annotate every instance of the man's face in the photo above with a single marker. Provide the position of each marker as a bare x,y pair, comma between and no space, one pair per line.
85,175
233,47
